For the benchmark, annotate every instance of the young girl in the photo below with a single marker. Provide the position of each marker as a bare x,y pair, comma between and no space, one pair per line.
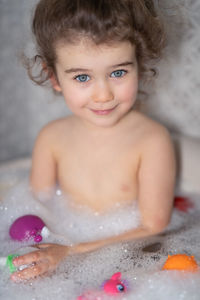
94,52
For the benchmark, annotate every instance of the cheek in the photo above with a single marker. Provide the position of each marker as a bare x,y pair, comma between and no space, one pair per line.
74,98
129,92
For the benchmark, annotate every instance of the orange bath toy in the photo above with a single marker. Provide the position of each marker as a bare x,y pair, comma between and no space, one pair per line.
180,262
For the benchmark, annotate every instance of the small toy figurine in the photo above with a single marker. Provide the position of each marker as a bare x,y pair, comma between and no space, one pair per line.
183,204
182,262
113,287
28,227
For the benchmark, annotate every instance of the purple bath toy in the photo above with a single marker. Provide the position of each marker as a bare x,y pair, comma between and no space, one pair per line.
28,227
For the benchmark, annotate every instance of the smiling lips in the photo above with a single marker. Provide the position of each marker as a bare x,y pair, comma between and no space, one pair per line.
103,112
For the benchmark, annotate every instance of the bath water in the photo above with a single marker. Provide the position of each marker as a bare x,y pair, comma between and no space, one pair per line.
140,262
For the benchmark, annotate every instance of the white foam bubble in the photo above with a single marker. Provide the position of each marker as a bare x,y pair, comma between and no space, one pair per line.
141,269
81,224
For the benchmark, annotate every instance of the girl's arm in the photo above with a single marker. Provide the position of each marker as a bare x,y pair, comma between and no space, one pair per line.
43,171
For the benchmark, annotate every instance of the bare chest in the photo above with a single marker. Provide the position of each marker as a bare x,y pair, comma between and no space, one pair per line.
99,178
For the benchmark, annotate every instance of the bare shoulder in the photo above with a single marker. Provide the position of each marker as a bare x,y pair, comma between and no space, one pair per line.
151,132
55,130
155,145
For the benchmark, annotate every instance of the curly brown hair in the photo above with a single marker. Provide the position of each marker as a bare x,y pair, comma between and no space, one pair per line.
102,21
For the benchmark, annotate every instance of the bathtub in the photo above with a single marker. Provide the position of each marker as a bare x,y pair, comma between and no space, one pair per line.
140,262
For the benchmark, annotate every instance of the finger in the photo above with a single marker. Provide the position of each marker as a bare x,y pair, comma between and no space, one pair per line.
42,246
29,258
31,272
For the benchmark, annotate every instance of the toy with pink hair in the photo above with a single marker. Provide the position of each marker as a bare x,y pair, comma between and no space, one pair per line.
113,287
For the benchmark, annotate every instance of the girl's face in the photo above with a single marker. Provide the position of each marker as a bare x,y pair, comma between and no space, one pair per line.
99,83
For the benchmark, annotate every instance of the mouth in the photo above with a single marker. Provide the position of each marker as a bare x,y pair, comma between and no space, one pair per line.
103,112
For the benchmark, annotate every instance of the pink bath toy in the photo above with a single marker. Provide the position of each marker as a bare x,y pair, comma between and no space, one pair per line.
28,227
113,286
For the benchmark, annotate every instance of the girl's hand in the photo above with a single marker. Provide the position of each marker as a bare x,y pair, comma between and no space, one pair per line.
40,261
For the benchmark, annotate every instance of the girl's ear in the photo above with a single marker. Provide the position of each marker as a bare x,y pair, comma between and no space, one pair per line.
54,83
52,78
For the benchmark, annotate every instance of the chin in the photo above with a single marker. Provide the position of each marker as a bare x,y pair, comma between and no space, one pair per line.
105,123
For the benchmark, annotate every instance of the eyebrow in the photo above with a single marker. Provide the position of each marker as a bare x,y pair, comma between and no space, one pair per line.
76,70
123,64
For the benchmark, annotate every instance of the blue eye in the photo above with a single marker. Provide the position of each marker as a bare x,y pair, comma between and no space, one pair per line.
120,287
82,78
118,73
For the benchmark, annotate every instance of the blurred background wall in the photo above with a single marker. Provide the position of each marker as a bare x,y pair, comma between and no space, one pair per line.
24,107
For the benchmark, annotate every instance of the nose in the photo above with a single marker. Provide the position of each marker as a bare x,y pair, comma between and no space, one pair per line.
102,92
